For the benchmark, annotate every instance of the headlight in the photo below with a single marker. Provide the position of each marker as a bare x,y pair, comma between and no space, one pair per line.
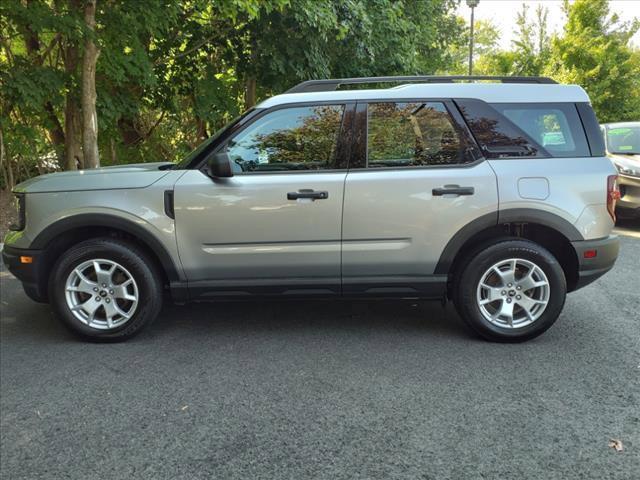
633,172
21,220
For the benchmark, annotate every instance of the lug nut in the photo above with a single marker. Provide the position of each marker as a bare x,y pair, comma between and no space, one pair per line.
518,287
97,298
107,300
518,297
95,289
509,285
111,292
503,292
104,285
508,300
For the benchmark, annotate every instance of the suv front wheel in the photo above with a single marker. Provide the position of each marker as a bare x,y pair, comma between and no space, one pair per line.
510,291
105,290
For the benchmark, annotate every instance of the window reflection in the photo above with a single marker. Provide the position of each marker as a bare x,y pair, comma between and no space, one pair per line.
300,138
411,134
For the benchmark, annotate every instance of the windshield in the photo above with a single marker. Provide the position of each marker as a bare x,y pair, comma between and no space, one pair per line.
624,140
203,147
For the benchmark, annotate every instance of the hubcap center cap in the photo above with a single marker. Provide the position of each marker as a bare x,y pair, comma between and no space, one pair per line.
512,293
103,293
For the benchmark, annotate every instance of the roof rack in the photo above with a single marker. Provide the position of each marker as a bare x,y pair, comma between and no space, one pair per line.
333,84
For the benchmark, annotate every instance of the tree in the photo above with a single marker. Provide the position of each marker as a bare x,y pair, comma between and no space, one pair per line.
531,45
485,49
89,114
530,49
593,52
158,77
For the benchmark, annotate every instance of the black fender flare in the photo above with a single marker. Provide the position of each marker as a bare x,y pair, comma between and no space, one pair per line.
84,220
510,215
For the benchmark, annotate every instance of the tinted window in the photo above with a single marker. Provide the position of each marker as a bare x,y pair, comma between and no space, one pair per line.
300,138
556,127
497,136
412,134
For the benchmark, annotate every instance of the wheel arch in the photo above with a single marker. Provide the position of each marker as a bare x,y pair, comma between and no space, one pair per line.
64,233
547,229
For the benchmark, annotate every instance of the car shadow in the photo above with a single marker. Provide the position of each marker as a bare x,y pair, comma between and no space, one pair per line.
313,316
23,320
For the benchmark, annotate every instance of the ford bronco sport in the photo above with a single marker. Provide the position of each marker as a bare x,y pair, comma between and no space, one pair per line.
494,194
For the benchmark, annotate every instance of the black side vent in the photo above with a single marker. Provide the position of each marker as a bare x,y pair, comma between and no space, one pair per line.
168,204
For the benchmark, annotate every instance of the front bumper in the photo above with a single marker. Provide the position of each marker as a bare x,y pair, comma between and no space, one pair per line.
30,274
590,267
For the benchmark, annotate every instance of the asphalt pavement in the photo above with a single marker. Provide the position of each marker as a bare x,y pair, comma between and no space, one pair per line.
329,390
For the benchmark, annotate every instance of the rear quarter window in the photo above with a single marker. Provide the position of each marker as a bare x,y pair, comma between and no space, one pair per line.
544,130
556,127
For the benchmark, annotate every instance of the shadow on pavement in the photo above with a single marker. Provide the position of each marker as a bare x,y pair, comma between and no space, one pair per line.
29,321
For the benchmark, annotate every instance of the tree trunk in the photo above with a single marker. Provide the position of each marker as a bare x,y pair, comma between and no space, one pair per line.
72,115
250,92
73,157
201,130
89,115
4,165
56,133
114,156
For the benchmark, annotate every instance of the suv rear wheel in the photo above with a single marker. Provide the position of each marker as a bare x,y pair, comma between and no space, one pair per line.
510,291
105,290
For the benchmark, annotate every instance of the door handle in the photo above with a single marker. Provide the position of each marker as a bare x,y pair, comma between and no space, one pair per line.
307,193
452,190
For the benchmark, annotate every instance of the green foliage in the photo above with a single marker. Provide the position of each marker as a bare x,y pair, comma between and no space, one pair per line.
593,52
172,72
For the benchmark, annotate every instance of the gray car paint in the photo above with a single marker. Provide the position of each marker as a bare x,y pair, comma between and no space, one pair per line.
375,223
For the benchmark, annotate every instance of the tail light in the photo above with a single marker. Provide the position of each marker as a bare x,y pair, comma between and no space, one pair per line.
613,194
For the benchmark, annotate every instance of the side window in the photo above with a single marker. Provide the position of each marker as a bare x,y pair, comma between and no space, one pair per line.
497,136
412,134
556,127
526,129
298,138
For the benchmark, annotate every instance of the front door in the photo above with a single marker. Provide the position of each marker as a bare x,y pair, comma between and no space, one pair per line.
274,227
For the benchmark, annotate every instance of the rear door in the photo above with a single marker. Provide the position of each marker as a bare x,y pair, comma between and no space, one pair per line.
274,227
420,180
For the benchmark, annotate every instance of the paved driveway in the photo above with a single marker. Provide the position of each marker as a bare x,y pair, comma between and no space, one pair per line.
325,390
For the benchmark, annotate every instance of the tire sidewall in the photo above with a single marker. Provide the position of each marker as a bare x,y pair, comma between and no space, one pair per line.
488,257
149,290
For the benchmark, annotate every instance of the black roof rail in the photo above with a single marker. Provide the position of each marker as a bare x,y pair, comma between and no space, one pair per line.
333,84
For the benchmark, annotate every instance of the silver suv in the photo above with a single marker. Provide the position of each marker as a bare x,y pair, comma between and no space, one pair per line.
496,195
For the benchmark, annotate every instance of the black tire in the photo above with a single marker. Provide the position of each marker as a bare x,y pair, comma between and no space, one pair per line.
467,279
129,256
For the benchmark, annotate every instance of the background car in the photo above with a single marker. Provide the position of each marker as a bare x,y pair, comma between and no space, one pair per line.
623,147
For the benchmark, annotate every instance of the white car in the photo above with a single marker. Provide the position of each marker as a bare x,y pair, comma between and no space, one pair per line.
623,147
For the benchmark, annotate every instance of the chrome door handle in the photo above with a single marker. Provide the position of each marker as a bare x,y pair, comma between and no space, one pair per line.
452,190
307,193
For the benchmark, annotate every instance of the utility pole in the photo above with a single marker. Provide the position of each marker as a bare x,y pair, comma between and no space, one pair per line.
472,4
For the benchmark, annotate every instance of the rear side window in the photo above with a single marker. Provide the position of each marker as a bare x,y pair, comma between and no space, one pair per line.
526,129
556,127
412,134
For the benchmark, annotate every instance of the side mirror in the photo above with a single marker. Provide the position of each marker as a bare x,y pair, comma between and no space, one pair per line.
219,165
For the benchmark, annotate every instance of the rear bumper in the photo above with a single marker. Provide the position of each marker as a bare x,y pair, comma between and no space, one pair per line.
28,273
590,269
